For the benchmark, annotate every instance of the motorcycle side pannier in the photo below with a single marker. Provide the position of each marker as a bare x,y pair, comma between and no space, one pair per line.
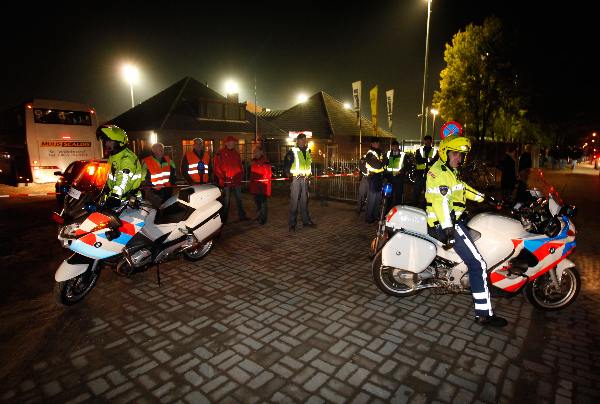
408,252
408,218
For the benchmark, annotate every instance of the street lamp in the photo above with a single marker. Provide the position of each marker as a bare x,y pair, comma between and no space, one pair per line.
302,97
423,114
231,87
434,112
131,75
347,105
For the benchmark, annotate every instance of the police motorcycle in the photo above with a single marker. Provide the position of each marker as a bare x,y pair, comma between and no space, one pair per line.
134,237
525,251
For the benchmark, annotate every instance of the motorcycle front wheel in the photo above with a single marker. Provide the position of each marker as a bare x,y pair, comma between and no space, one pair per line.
543,294
389,280
198,252
75,289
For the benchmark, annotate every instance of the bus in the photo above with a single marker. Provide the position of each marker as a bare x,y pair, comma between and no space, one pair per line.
41,137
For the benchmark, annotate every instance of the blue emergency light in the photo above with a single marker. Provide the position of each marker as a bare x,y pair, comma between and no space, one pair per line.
387,189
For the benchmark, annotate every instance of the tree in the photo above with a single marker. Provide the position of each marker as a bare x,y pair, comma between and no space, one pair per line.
478,87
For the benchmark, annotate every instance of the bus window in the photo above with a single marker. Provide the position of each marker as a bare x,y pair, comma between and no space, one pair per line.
62,117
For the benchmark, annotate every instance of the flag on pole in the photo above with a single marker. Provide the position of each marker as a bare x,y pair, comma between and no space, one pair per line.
389,96
373,96
356,93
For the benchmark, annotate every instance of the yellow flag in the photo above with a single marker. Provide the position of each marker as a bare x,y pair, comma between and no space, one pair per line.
373,96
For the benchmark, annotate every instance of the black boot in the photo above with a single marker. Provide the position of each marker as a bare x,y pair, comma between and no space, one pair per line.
491,321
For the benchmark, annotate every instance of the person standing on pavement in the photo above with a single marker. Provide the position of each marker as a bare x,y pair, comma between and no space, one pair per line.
297,164
446,198
525,165
375,168
260,182
395,159
160,177
363,185
195,164
508,167
425,157
229,172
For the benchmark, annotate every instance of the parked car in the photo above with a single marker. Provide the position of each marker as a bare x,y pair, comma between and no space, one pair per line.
83,174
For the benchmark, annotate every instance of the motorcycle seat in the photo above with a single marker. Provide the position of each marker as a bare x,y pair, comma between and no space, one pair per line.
184,194
432,231
173,213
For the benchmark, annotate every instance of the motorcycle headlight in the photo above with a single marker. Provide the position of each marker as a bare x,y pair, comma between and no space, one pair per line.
69,230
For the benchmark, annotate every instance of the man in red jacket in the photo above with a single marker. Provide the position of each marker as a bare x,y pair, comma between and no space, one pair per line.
229,172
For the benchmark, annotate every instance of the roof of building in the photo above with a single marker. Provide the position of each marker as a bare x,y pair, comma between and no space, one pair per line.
325,116
176,108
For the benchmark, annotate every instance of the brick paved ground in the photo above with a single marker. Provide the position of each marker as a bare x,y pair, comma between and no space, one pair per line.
274,317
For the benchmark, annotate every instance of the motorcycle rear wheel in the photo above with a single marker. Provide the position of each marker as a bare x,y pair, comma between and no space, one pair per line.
542,294
386,281
199,252
75,289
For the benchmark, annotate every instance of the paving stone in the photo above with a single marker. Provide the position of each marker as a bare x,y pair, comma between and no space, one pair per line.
229,329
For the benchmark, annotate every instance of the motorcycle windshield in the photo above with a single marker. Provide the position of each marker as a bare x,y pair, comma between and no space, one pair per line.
539,187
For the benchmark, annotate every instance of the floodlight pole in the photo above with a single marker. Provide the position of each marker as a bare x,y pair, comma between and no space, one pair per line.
423,116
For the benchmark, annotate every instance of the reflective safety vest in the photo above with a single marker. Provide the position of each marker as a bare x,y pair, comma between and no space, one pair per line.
395,162
198,172
126,173
431,154
159,172
301,165
370,168
445,193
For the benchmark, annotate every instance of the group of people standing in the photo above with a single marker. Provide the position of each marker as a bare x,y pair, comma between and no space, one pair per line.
156,174
376,167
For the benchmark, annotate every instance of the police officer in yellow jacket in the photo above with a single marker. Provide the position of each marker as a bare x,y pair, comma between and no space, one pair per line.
446,197
376,162
297,164
126,172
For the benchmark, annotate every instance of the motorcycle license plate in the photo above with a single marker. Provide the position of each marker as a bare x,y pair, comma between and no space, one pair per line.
74,193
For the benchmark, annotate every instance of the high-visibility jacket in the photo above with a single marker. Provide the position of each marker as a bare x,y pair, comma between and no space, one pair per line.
445,193
197,168
426,158
395,162
126,174
302,162
370,168
160,172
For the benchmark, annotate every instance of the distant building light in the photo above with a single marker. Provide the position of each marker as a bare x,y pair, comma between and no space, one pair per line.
66,137
153,138
268,109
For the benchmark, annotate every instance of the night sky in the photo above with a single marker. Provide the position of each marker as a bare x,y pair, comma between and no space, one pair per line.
74,51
